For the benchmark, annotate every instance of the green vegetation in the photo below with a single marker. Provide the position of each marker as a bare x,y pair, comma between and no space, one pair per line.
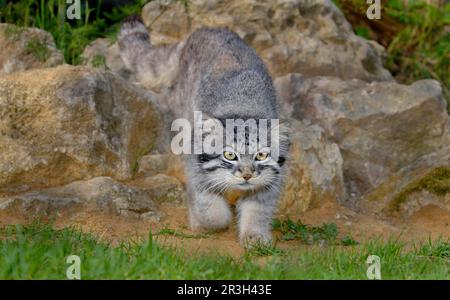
348,241
262,249
178,233
310,235
38,49
71,36
99,61
421,48
414,33
436,182
13,33
39,252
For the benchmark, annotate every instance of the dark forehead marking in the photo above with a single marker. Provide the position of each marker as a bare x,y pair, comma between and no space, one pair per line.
247,129
203,158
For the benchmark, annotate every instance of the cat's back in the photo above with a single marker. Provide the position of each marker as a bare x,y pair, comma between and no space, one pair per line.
225,77
206,44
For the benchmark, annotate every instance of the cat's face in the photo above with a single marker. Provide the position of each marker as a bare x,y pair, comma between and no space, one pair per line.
236,169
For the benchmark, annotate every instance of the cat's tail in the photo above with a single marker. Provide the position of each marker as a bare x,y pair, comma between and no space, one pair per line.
134,41
154,67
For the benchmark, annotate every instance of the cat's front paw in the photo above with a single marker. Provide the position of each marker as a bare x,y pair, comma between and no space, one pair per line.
250,239
216,217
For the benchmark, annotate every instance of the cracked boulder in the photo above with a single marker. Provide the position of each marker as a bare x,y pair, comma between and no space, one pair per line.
70,123
314,170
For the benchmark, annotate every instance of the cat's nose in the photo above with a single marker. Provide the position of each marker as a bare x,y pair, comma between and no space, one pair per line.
247,176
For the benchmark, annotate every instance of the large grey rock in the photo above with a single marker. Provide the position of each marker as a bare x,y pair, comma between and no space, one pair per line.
315,170
309,37
162,188
381,128
101,194
153,164
26,48
70,123
404,196
418,200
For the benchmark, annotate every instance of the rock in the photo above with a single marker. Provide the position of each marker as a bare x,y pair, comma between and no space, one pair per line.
163,189
26,48
69,123
308,37
153,164
165,163
291,90
381,128
315,170
403,196
104,54
101,194
417,200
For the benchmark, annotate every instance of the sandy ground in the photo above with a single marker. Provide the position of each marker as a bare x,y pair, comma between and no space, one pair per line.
429,221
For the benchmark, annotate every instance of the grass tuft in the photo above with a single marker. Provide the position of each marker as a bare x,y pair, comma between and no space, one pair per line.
310,235
13,33
177,233
264,249
99,61
38,48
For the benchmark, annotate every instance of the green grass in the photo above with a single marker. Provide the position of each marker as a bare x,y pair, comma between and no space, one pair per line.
421,49
99,61
415,35
263,249
178,233
38,49
39,252
13,33
310,235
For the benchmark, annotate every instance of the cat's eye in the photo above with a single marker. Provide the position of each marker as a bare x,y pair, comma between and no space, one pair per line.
261,156
229,155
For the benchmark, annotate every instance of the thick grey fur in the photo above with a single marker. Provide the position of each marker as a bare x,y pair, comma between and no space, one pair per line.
217,73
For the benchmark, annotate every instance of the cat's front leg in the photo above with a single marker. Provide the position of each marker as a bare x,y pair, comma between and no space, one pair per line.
208,211
255,218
